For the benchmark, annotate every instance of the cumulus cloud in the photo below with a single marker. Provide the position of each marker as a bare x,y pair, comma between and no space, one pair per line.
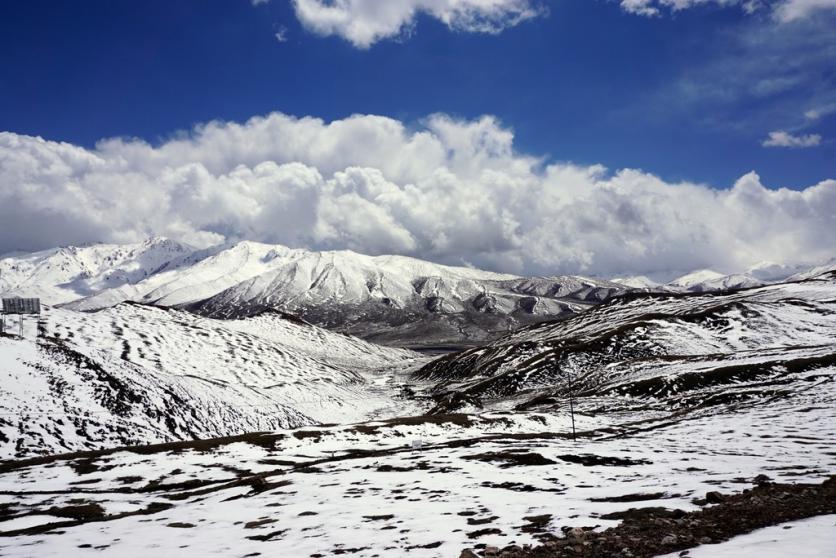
365,22
783,10
785,139
447,190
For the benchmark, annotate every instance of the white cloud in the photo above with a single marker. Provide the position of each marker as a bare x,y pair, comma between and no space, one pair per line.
783,10
756,75
656,7
281,34
820,112
365,22
785,139
447,190
797,9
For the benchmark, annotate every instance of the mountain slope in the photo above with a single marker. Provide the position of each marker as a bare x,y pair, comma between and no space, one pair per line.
706,280
69,273
135,374
674,348
390,299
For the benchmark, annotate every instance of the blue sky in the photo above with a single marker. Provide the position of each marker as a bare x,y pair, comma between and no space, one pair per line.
604,137
587,83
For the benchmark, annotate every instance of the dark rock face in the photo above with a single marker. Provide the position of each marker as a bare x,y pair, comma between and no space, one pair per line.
434,304
484,303
528,304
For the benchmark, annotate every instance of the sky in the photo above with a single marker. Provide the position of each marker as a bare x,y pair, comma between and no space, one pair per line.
605,137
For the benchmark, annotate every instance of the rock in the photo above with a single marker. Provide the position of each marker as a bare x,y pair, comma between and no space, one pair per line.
714,497
705,540
577,533
467,553
762,479
512,551
491,552
669,540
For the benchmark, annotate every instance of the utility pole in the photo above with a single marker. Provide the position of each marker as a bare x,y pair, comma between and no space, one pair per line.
572,404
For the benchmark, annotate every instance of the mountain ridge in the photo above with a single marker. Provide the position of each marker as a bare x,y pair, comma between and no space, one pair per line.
396,300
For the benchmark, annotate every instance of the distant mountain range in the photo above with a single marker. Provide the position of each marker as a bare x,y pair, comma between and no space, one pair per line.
389,299
673,349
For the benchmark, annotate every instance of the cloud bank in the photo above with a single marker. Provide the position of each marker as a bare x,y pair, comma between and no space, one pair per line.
365,22
783,10
447,190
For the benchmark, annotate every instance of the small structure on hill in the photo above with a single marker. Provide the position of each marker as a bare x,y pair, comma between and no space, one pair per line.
20,307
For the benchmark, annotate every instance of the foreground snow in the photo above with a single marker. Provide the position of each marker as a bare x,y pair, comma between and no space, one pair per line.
365,490
808,538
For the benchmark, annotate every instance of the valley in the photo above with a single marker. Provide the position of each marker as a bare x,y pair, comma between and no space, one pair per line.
266,433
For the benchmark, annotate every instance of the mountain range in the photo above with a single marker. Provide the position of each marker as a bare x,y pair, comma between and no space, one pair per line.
393,300
671,350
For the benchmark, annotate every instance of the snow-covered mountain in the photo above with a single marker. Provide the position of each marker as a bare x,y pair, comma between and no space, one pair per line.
763,273
814,271
287,438
70,273
675,347
135,375
694,279
636,282
703,282
390,299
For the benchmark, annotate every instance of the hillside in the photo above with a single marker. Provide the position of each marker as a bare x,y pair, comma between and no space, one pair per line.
420,486
682,349
136,375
